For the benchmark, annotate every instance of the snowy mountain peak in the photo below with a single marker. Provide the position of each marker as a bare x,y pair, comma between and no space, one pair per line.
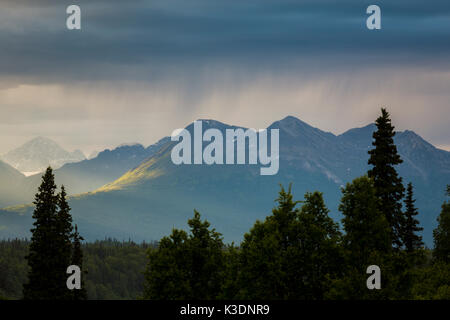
38,153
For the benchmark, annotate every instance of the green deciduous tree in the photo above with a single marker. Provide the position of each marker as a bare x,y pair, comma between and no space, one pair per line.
292,254
367,240
431,282
205,249
231,268
167,274
366,228
384,157
317,247
186,266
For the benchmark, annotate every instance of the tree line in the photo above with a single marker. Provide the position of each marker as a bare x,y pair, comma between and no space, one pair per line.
112,269
297,252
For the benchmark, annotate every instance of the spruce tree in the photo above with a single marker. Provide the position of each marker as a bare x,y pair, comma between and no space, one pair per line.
441,235
77,259
43,276
411,239
51,247
388,184
63,243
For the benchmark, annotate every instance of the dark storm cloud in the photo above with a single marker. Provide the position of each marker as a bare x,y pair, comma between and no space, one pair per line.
149,39
140,68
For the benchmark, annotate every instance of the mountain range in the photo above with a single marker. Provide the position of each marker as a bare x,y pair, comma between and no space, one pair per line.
79,177
37,154
152,196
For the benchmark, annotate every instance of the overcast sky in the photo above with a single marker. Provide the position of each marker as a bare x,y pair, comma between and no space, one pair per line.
140,69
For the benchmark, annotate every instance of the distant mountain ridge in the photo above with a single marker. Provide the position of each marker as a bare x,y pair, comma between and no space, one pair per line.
11,181
78,177
109,165
37,154
147,201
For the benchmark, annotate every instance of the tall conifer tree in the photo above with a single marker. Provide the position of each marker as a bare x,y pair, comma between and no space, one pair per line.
51,246
63,243
43,274
411,239
77,259
388,184
441,234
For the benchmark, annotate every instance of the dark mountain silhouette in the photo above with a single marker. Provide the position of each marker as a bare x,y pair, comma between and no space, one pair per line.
148,201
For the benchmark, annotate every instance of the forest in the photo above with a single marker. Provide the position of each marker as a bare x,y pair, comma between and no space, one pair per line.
114,269
297,253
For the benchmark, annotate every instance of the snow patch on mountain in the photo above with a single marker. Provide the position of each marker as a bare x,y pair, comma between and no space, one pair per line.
39,153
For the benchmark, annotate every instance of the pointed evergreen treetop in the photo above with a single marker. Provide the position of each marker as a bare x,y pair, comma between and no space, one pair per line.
63,244
284,213
50,249
411,239
42,283
77,259
388,185
385,150
64,216
46,200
